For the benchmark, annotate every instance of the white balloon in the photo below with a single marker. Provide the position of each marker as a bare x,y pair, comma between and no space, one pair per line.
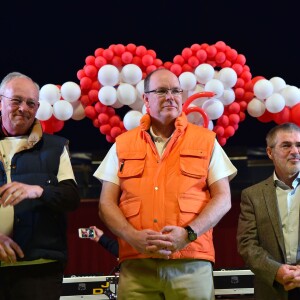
228,96
215,86
50,93
44,111
228,77
275,103
204,73
263,89
198,89
117,104
137,105
256,108
70,91
62,110
291,94
187,81
131,74
132,119
144,109
126,93
78,111
140,89
278,84
108,75
107,95
214,108
210,125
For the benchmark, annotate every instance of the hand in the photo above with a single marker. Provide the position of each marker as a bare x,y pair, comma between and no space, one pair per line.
9,249
288,276
14,192
171,238
292,280
139,240
98,233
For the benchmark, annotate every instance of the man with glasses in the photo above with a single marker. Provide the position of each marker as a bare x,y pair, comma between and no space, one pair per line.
165,185
268,228
37,188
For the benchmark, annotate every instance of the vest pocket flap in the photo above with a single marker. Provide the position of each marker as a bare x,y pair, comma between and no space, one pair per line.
130,208
193,152
190,205
131,164
192,163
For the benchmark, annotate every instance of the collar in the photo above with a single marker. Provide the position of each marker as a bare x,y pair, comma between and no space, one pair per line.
34,133
181,123
282,185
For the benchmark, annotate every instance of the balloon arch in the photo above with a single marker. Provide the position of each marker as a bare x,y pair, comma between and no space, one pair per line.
219,90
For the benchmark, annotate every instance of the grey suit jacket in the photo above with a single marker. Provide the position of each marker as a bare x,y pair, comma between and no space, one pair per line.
260,239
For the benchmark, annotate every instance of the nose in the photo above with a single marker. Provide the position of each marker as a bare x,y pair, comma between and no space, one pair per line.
295,148
169,94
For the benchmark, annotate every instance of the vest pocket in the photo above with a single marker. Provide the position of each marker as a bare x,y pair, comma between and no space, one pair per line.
131,164
189,209
194,163
131,211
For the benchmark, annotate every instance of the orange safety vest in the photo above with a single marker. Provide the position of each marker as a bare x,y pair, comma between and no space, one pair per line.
169,190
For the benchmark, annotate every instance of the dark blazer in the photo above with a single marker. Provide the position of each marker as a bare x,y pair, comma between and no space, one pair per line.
260,238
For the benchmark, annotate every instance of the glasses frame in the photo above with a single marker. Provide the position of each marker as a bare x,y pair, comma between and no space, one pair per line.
20,101
156,91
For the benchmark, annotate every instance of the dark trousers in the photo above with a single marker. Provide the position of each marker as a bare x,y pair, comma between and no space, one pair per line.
294,294
32,282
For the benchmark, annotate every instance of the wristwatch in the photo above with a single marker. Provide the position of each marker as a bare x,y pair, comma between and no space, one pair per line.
192,235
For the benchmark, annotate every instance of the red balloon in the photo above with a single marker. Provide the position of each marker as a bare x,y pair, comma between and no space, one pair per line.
100,61
147,60
187,53
220,57
90,112
193,61
141,51
105,129
52,125
115,131
90,60
127,57
110,139
229,131
257,78
103,118
98,52
201,55
295,114
219,130
266,117
282,116
131,47
90,71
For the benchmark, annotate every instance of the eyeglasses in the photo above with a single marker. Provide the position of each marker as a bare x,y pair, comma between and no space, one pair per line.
17,102
161,92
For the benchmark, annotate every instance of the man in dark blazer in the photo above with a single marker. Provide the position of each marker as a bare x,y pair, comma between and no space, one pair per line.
268,227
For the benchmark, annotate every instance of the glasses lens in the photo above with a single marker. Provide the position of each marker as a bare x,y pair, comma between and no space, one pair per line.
176,91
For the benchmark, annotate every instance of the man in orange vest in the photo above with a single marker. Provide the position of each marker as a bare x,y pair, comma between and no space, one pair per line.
165,185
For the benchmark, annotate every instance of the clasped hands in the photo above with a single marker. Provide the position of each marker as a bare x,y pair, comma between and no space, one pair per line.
289,276
160,244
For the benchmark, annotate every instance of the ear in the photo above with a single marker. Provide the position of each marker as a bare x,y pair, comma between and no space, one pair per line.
269,152
146,100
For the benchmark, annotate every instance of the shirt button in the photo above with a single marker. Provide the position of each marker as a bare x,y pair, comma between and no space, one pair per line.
156,188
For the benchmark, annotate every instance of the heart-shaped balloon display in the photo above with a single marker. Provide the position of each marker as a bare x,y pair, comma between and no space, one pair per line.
113,78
